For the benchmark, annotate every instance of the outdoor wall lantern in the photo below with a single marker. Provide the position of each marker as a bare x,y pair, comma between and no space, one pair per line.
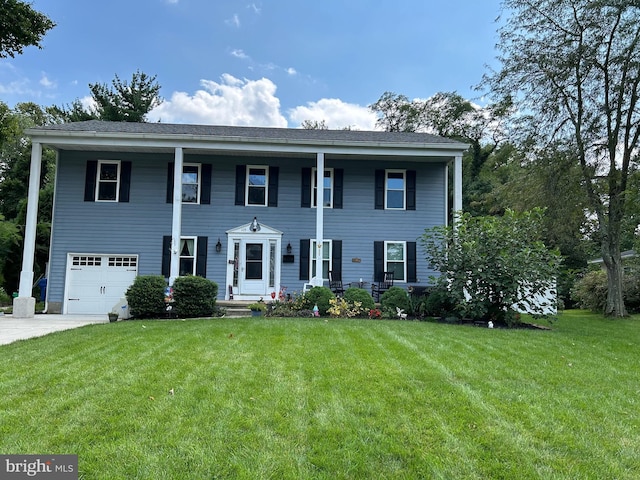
218,246
255,226
289,248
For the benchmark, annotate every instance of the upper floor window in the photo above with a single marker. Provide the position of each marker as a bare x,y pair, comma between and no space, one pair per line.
257,184
191,177
395,189
108,181
327,192
395,260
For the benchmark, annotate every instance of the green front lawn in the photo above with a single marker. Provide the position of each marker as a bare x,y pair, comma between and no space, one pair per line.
309,398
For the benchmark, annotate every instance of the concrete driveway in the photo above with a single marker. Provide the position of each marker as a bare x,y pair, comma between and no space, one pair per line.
12,329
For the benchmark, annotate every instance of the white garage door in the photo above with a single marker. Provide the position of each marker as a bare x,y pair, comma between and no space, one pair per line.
96,283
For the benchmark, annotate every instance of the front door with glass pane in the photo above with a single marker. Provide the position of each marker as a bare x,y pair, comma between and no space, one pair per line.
253,268
253,259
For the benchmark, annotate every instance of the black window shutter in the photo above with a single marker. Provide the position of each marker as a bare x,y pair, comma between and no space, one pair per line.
305,246
125,181
379,191
338,179
201,259
411,189
205,187
378,261
273,186
241,178
170,170
90,181
305,189
166,255
336,259
412,270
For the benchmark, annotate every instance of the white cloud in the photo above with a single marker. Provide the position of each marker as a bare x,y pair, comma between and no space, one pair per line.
46,83
233,21
291,71
239,53
232,101
336,114
256,8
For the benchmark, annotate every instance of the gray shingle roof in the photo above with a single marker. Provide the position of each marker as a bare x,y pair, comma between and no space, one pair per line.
258,133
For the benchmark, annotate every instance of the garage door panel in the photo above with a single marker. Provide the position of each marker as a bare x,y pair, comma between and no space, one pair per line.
95,283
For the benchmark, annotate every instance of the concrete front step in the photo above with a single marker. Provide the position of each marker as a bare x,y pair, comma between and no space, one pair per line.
235,309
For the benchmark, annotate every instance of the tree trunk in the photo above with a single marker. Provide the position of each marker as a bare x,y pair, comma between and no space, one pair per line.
615,281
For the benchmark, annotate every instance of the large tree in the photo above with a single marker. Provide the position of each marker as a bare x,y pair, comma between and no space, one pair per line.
573,69
20,26
121,102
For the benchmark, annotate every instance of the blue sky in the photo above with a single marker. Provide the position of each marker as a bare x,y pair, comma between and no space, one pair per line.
259,63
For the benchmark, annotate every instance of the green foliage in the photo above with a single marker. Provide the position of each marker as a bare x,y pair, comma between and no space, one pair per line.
395,297
258,307
319,296
487,262
22,26
437,303
341,308
590,290
5,298
354,294
194,296
146,296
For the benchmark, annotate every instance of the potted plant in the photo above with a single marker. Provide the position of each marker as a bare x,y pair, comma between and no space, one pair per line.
113,316
258,309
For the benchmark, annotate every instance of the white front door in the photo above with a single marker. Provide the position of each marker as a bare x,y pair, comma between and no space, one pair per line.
96,283
254,268
254,262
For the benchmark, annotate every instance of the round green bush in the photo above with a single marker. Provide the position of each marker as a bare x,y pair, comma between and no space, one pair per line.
438,303
146,296
318,296
395,297
194,296
354,294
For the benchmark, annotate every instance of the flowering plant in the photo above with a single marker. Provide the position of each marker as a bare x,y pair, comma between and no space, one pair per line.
375,313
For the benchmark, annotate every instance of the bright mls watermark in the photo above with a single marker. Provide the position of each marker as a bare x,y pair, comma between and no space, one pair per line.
49,467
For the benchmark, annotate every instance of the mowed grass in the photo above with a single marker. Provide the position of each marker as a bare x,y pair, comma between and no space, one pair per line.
336,399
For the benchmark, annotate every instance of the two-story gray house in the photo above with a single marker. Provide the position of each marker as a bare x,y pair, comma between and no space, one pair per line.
256,210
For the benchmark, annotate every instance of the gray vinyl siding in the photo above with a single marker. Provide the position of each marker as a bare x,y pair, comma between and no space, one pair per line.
137,227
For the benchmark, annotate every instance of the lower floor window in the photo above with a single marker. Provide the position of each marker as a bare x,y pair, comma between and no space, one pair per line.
322,255
187,256
395,259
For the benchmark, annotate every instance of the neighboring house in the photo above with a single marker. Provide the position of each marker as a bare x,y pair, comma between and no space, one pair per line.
241,206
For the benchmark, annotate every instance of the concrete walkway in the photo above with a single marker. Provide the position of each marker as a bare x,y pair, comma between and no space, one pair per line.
12,329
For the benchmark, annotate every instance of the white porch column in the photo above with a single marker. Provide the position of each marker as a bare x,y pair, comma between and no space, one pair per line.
24,305
176,222
457,186
319,217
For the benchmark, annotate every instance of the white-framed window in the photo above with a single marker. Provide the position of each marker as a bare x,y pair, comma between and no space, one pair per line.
327,193
322,255
108,181
191,180
188,255
395,186
257,185
395,260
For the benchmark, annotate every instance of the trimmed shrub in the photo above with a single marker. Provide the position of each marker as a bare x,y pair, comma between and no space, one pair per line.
395,297
146,296
438,303
317,296
195,296
361,295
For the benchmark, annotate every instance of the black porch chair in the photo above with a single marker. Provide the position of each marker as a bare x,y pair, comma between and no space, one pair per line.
382,286
335,285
